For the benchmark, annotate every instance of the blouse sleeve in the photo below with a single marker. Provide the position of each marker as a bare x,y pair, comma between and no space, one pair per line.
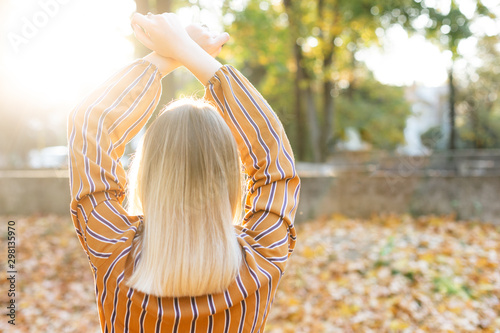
273,184
98,130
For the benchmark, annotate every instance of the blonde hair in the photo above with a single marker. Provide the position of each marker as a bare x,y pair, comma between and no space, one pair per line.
186,181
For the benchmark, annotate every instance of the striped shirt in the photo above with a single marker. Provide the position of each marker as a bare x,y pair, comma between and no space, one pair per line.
98,130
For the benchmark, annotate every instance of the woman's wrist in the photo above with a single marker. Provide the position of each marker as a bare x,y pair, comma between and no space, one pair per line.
165,65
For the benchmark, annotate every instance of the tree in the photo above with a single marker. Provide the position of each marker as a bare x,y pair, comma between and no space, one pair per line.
376,110
320,40
448,28
261,47
478,103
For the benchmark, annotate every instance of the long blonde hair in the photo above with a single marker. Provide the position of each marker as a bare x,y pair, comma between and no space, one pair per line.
186,181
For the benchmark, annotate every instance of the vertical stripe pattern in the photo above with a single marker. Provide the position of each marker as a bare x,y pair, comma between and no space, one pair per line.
98,129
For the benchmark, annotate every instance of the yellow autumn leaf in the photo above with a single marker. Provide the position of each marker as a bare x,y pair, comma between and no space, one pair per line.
429,257
397,324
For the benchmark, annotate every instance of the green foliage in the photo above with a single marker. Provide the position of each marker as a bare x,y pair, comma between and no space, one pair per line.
431,137
448,29
388,248
328,34
479,101
261,47
448,286
378,111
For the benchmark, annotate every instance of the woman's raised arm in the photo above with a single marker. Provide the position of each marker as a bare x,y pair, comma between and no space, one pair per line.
98,130
273,184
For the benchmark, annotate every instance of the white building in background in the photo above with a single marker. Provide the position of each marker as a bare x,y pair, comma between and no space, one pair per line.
353,141
429,107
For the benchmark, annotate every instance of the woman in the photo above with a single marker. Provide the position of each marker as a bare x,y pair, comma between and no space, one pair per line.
182,259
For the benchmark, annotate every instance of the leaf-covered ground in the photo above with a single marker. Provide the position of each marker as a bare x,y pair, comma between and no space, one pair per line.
391,274
385,274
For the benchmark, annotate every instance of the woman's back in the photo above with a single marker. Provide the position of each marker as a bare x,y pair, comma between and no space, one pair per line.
98,131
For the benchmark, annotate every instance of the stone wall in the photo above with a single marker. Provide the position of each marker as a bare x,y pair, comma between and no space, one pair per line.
363,194
354,194
34,191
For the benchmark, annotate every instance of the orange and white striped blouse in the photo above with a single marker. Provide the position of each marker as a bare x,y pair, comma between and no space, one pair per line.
98,130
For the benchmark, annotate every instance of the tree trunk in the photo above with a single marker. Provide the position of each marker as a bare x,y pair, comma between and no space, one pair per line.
451,101
300,134
306,92
327,133
314,131
328,107
474,120
163,6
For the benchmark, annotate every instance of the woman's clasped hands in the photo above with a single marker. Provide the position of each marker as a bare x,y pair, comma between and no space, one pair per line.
165,34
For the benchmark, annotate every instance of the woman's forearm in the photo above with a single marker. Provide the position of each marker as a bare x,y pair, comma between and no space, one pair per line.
196,60
200,63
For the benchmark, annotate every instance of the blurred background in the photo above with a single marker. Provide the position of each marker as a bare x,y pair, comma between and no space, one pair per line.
392,109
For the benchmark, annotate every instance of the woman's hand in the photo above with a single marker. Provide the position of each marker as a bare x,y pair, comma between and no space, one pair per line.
211,42
165,35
